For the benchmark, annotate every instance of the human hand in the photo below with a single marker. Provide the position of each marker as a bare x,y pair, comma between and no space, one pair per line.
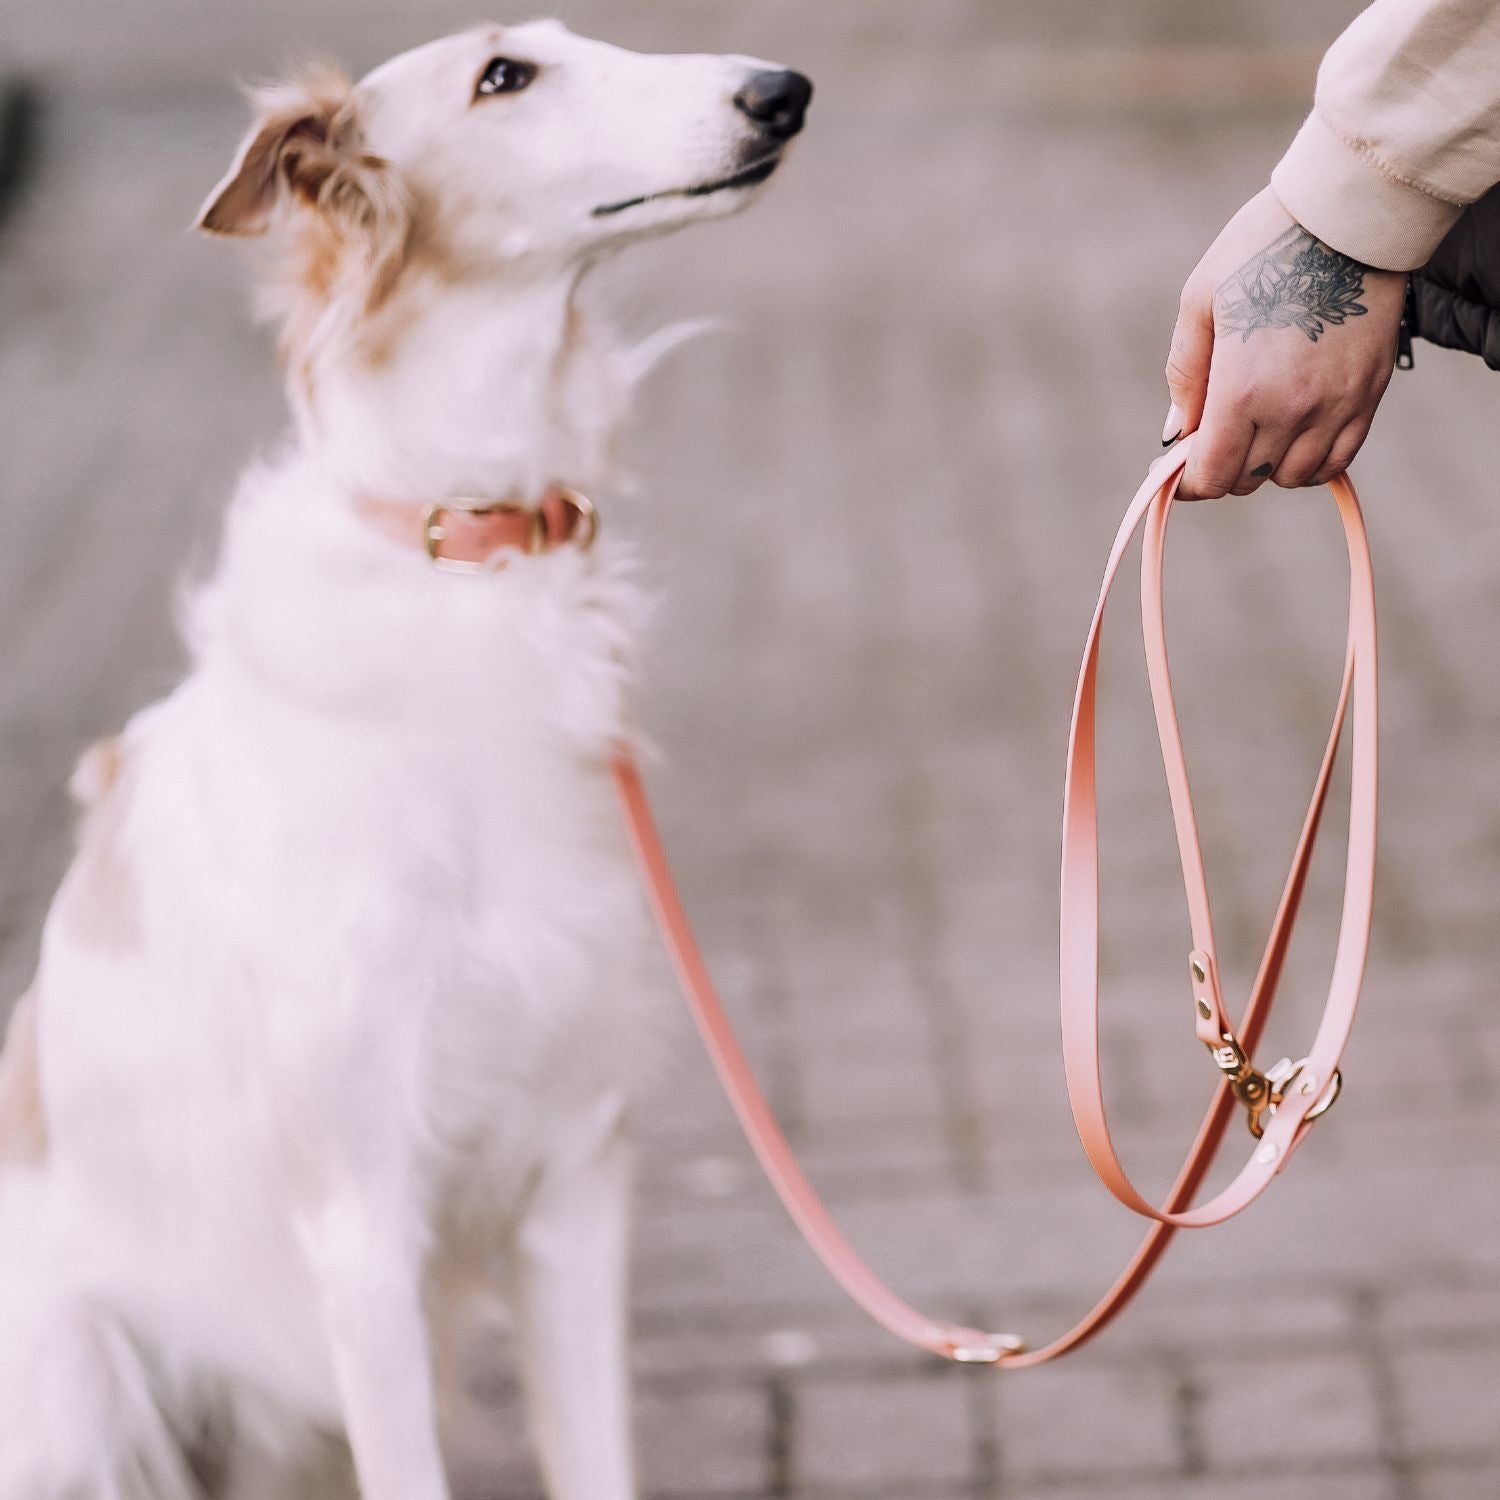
1282,351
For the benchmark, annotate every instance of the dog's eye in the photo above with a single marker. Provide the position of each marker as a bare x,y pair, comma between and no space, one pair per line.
505,75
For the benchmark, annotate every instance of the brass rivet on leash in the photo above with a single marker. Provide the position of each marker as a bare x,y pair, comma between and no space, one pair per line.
1200,972
1204,1008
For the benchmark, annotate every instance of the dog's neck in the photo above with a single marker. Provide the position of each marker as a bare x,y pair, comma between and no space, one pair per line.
482,389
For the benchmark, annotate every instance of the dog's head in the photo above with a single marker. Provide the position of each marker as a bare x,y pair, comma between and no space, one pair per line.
507,145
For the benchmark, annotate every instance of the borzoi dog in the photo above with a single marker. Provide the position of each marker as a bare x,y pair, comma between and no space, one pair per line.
344,1001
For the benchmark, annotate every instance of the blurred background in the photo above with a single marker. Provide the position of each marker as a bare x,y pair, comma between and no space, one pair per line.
875,507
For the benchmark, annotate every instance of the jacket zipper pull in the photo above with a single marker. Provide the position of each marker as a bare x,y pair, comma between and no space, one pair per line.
1405,355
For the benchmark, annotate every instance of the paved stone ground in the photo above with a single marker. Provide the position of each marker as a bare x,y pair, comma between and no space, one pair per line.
876,507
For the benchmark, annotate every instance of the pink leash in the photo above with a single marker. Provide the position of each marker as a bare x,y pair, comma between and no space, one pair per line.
1282,1103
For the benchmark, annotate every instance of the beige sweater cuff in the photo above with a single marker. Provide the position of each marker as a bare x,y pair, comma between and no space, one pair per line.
1341,193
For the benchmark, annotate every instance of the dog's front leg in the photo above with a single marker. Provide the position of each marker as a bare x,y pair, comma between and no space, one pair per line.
370,1281
571,1257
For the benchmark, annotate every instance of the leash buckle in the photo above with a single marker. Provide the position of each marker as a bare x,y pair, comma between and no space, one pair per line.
1261,1093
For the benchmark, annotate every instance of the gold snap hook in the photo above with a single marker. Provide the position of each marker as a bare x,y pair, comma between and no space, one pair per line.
1261,1093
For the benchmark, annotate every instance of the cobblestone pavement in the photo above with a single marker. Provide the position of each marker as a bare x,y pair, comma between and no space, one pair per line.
876,507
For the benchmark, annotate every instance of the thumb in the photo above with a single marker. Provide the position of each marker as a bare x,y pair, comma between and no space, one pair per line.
1188,364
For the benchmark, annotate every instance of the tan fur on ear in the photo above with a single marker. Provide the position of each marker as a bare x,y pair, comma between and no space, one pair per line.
304,133
23,1128
347,214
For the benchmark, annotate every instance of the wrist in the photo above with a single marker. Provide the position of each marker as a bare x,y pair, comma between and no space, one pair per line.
1347,199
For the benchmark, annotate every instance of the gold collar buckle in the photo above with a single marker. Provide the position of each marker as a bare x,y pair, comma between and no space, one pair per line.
535,540
434,531
587,513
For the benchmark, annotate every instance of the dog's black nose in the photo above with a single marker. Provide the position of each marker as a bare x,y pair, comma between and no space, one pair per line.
778,101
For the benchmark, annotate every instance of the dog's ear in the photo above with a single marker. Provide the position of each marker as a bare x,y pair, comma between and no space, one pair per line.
304,147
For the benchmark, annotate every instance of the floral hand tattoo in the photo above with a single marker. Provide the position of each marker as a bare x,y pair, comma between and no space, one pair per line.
1295,282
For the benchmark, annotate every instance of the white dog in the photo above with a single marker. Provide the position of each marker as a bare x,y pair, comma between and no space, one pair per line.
341,1006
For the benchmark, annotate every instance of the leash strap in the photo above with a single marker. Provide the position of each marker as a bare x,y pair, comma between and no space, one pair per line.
1282,1103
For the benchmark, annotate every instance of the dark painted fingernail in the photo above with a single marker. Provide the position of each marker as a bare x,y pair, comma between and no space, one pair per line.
1167,442
1264,472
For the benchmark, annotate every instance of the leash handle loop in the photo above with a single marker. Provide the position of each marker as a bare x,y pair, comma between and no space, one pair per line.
1283,1128
1281,1119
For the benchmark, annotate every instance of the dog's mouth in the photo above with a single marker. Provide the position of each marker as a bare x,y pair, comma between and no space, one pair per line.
749,176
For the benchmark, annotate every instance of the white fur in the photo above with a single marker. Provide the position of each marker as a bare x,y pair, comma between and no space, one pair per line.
357,1034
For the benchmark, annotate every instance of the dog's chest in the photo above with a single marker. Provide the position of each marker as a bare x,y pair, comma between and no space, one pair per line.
409,824
540,991
547,995
471,821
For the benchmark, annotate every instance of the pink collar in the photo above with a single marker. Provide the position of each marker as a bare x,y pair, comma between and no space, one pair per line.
464,535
